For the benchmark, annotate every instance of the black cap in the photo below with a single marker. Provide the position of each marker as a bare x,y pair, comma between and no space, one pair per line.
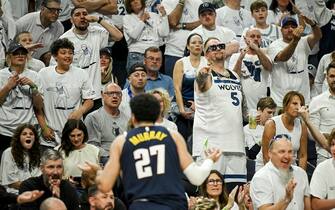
288,20
206,6
106,51
137,67
14,46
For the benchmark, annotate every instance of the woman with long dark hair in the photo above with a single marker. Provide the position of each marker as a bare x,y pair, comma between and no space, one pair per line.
22,160
184,73
74,149
280,8
213,187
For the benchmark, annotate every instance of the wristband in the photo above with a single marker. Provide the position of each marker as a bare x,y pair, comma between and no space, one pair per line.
34,88
183,26
100,19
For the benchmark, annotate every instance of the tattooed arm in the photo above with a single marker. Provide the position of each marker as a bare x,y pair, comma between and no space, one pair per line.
203,79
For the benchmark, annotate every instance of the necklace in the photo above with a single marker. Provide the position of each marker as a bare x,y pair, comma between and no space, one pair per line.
224,74
80,37
60,71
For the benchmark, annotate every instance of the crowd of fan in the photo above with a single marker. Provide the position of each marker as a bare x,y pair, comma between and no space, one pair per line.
255,79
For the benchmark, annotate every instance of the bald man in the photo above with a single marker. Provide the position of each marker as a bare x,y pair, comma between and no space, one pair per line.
279,184
106,123
53,203
253,66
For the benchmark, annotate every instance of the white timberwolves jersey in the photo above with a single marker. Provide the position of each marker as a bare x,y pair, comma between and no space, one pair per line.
218,116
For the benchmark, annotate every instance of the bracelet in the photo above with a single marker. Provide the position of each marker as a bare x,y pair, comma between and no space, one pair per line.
34,88
45,127
100,19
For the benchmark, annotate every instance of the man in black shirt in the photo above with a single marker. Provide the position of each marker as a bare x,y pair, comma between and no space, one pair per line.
51,183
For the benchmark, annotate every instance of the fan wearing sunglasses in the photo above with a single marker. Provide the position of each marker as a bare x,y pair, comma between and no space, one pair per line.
219,114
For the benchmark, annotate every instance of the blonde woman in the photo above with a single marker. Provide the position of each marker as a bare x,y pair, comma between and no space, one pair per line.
164,100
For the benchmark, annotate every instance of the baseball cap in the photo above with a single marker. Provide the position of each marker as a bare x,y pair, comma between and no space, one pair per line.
14,46
286,20
206,6
106,51
137,67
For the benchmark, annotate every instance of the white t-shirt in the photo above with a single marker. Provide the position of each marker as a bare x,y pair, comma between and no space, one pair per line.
269,35
322,115
254,78
89,153
321,84
266,187
142,35
225,35
11,173
35,65
323,181
18,106
87,53
64,93
292,74
117,19
168,124
176,41
32,22
235,20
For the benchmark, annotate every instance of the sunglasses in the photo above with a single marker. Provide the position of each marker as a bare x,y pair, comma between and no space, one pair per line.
216,47
278,137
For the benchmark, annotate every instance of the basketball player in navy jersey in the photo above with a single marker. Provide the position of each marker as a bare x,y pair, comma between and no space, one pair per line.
152,160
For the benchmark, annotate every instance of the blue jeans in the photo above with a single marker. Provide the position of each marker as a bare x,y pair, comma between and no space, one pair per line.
169,64
134,57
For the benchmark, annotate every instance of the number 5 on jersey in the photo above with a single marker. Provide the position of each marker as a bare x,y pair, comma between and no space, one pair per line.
143,162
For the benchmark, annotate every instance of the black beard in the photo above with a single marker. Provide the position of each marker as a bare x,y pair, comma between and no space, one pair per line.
81,28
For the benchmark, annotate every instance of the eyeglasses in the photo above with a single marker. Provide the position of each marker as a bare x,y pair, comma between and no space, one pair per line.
216,47
278,137
214,181
153,59
113,93
54,10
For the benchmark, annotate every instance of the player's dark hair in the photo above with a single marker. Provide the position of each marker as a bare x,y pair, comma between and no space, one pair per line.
145,108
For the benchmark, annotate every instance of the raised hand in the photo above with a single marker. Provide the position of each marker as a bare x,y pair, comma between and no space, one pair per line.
91,18
34,46
290,190
161,9
297,32
145,16
26,81
304,113
29,196
213,154
13,81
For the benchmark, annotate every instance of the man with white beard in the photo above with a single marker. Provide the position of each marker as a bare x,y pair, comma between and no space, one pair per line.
279,184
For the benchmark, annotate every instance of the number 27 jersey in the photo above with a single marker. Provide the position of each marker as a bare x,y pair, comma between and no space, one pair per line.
151,168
